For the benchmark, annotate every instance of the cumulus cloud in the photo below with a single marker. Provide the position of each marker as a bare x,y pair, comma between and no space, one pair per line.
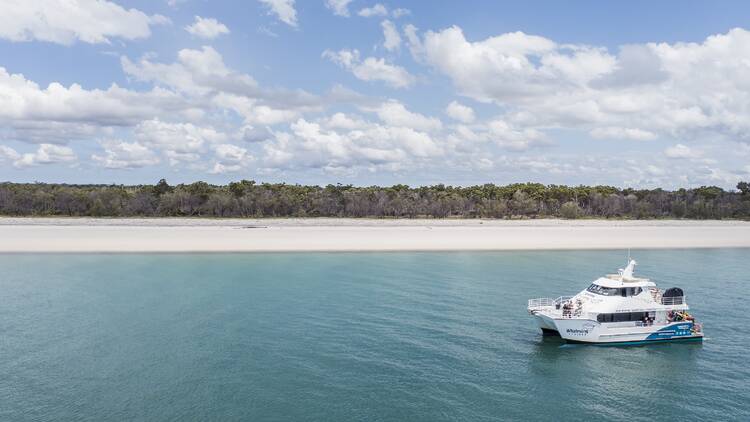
516,139
8,153
614,132
460,112
180,142
119,154
24,104
643,92
67,21
371,68
681,151
195,72
397,13
377,10
203,76
228,153
229,159
195,86
45,154
251,134
339,7
283,9
393,113
207,28
392,39
371,146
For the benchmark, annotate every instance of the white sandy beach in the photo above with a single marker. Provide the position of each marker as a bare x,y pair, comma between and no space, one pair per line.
252,235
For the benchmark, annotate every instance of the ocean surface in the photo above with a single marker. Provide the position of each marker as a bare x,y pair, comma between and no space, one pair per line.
355,336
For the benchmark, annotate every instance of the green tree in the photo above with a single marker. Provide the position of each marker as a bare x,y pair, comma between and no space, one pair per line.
162,187
744,189
570,210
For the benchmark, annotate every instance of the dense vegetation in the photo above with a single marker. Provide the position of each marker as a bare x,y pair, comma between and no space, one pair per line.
248,199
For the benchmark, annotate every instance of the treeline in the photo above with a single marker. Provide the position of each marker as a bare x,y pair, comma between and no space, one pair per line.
248,199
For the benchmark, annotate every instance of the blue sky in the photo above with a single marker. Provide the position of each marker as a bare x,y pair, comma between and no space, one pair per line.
640,94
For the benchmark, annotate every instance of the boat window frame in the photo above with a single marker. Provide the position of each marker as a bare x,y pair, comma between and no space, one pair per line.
609,317
600,290
614,291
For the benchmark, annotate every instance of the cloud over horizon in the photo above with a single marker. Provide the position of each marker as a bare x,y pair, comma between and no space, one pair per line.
426,105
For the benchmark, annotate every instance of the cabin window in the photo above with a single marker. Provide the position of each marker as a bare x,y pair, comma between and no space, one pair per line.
631,291
622,317
613,291
604,291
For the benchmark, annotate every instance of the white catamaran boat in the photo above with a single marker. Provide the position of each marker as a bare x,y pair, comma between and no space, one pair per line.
618,309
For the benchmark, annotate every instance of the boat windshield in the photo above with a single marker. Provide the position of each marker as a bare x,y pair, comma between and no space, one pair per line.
604,291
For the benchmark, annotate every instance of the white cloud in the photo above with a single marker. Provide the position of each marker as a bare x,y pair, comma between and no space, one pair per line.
203,76
8,153
180,142
196,71
393,113
397,13
514,139
228,153
681,151
376,10
22,100
339,7
283,9
460,112
370,146
371,68
207,28
392,37
125,155
67,21
614,132
414,42
644,92
45,154
343,121
229,159
220,168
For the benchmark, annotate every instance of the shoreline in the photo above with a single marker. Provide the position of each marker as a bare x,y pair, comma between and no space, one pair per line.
110,235
353,222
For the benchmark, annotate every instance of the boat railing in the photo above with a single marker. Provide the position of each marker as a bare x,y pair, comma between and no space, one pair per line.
542,302
673,300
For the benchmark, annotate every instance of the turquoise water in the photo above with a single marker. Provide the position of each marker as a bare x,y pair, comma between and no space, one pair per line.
361,336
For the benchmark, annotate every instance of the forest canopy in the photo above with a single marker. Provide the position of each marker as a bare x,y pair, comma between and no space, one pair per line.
250,199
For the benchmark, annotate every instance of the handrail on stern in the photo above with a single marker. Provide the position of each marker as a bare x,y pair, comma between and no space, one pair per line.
543,302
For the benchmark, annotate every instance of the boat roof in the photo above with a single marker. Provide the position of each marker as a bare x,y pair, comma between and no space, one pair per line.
617,280
624,278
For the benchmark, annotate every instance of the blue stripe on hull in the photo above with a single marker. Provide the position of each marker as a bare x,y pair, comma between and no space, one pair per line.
641,342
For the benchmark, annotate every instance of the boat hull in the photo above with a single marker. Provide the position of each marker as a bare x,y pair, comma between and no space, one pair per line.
575,330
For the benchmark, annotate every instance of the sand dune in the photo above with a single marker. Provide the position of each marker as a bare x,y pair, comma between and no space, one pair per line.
251,235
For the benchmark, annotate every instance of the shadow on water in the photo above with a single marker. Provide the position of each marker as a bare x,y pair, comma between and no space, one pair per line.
552,357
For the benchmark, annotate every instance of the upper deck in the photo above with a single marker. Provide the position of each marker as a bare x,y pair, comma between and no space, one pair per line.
611,294
617,281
